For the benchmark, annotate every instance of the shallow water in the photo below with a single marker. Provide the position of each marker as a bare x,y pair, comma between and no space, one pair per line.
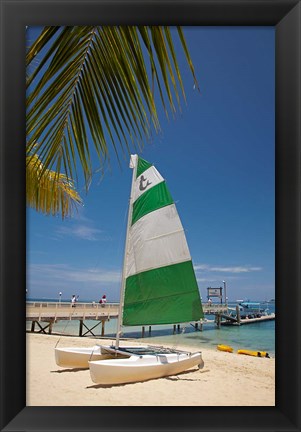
258,336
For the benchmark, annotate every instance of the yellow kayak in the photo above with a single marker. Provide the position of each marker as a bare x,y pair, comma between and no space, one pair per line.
253,353
225,348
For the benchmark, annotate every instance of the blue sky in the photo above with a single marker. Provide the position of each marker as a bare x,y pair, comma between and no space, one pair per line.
217,157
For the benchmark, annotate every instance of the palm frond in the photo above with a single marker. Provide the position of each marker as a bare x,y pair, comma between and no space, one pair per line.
49,192
94,88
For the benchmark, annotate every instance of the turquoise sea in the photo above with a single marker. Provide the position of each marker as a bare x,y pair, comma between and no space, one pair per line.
257,336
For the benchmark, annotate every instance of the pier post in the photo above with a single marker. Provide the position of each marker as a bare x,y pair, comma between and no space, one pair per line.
149,330
218,320
174,328
143,331
179,327
238,314
81,327
33,324
103,327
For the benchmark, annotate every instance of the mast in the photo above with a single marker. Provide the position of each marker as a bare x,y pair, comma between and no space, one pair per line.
133,164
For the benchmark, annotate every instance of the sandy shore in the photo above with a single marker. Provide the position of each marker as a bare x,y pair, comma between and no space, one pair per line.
226,380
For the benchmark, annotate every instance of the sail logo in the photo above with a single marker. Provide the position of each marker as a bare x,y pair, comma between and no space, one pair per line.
142,186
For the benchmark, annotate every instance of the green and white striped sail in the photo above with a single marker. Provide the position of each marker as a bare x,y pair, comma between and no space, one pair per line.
160,283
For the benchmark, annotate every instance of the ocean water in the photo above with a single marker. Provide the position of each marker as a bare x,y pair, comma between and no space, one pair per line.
258,336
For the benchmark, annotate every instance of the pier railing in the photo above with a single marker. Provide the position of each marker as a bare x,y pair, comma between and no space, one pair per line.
212,308
58,311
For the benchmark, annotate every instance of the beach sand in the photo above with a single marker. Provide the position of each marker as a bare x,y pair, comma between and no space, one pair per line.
226,380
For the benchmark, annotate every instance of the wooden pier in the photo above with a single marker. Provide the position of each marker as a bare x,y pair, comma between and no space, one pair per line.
44,315
248,320
225,317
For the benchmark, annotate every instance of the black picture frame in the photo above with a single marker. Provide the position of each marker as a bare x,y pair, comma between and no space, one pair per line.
285,16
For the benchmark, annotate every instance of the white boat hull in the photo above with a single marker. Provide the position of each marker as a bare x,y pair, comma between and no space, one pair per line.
142,368
74,357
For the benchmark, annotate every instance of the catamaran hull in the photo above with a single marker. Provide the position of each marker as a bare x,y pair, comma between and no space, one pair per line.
78,358
142,368
75,357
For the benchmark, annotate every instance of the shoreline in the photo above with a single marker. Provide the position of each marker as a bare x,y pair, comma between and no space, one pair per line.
227,379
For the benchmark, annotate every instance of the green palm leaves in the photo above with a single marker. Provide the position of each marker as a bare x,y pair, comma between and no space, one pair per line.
94,91
48,192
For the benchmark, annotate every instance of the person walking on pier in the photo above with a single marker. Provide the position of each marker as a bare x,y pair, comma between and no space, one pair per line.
73,300
103,300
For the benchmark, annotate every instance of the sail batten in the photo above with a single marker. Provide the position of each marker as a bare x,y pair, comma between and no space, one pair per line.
165,235
160,283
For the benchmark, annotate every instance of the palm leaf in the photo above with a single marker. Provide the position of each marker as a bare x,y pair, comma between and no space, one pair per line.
49,192
95,87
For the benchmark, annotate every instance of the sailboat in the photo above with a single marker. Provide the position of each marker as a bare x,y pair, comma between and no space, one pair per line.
158,287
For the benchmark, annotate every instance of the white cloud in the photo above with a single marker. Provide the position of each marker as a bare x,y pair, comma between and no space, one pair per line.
225,269
201,267
80,227
81,231
215,280
61,272
238,269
